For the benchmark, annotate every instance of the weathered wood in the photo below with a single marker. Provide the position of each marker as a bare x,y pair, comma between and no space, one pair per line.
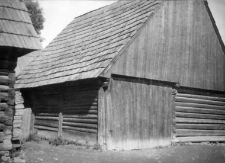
166,48
45,128
199,110
200,116
199,121
47,123
200,126
199,101
201,139
60,124
81,116
76,120
195,105
47,118
80,129
138,114
81,111
189,132
4,88
213,98
83,125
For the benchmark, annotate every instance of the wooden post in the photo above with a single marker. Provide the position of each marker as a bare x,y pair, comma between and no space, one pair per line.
60,124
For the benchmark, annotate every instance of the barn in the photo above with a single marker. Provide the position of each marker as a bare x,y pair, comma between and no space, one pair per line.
17,38
131,75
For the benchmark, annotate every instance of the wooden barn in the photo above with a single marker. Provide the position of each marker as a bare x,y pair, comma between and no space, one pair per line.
17,38
131,75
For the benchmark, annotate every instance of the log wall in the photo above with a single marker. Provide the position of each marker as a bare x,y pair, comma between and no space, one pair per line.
7,101
199,118
137,115
70,111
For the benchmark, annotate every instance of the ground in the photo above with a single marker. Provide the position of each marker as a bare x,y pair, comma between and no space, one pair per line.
33,152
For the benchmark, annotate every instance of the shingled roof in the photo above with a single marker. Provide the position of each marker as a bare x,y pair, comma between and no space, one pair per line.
88,44
16,29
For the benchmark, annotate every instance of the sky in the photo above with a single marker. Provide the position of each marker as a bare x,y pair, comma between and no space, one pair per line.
59,13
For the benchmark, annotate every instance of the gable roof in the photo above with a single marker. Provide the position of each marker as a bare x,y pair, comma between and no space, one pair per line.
88,44
16,29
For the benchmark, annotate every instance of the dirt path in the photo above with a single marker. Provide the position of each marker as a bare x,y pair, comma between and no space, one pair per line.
198,153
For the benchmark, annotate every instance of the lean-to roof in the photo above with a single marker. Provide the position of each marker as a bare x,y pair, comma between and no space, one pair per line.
16,29
88,44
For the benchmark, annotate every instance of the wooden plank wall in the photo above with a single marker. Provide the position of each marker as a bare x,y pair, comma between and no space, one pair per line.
199,118
67,110
178,44
137,114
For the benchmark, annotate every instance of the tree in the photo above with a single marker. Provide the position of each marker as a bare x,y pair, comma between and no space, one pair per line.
36,15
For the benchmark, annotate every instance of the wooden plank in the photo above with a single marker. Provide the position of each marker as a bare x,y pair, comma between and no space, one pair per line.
47,123
200,126
199,101
200,116
47,118
212,98
199,110
45,128
201,139
83,125
195,105
4,88
190,132
94,121
101,121
197,121
80,129
81,111
60,124
85,116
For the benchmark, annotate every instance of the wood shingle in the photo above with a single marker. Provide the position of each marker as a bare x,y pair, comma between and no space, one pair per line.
16,29
88,44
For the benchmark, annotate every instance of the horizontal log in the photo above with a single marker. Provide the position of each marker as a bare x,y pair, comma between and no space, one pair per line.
4,88
193,120
95,121
45,128
88,107
92,116
81,111
79,129
195,105
16,121
47,114
199,110
82,125
50,123
19,106
17,117
199,101
4,96
201,139
3,106
5,146
201,126
47,118
213,98
4,72
189,132
2,127
19,112
201,116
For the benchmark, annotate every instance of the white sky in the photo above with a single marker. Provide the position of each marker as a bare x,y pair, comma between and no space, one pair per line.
59,13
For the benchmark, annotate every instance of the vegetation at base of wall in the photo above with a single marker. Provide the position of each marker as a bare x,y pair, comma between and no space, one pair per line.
61,141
